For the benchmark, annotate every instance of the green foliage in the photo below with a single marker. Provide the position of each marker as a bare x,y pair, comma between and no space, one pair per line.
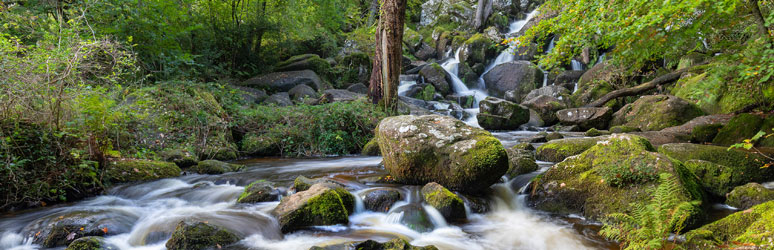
650,225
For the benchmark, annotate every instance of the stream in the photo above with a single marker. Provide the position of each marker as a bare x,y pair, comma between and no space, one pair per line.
143,215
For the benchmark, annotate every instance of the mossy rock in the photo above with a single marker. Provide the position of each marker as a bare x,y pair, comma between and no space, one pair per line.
260,144
215,167
305,62
371,148
303,183
90,243
199,235
731,167
748,195
554,136
477,47
739,128
592,132
558,150
258,191
520,162
433,148
524,146
130,170
656,112
320,205
705,133
768,128
608,178
748,228
182,158
448,204
394,244
620,129
381,200
223,152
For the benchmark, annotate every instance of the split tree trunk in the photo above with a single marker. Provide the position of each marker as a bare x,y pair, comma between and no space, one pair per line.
639,89
483,10
388,55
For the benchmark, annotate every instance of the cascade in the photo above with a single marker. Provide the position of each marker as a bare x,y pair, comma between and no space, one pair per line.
576,65
452,67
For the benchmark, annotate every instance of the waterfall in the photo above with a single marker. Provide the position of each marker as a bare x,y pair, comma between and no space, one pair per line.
452,67
508,54
576,65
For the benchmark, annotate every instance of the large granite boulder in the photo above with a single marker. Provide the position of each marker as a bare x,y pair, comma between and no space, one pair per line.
546,107
499,114
586,118
432,148
436,75
284,81
656,112
199,235
740,230
558,150
748,195
323,204
518,77
738,129
301,92
554,91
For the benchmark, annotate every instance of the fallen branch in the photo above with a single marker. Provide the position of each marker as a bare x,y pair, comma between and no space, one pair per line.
639,89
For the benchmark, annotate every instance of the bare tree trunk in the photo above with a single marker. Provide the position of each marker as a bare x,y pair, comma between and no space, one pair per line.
389,54
483,10
670,77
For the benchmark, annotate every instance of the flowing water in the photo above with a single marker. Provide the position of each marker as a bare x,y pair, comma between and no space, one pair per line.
143,215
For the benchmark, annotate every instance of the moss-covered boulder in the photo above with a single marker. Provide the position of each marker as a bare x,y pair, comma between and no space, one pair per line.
436,75
768,128
303,183
586,118
130,170
305,62
381,200
181,158
520,162
448,204
371,148
498,114
608,177
558,150
705,133
524,146
554,136
394,244
90,243
60,230
729,168
546,107
739,128
477,49
656,112
592,132
260,144
199,235
518,77
215,167
623,129
748,228
321,204
748,195
433,148
259,191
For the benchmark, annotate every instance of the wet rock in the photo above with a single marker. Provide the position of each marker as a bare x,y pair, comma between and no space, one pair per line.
558,150
554,136
620,129
394,244
259,191
447,203
199,235
596,183
546,107
751,227
252,95
130,170
520,162
90,243
705,133
656,112
739,128
181,158
557,92
65,229
302,183
433,148
215,167
340,95
592,132
729,168
414,217
281,99
381,200
524,146
748,195
519,77
466,101
499,114
301,92
371,148
537,138
436,75
322,204
586,118
425,52
569,78
284,81
477,49
658,138
358,88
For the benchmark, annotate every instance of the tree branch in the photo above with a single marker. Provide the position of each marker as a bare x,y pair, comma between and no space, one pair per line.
670,77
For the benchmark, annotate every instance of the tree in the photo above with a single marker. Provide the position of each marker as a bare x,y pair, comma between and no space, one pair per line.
389,54
483,10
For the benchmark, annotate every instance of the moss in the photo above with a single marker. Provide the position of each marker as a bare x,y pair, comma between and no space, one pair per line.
260,144
768,128
748,228
623,129
199,235
428,93
327,208
87,243
487,153
593,132
258,191
371,148
554,136
656,112
705,133
558,150
181,158
215,167
748,195
450,205
716,179
739,128
129,170
302,183
523,146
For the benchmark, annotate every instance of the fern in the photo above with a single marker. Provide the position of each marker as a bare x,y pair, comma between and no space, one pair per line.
650,225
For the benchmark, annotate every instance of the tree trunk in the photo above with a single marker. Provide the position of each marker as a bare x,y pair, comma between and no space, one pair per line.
640,88
388,54
483,10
